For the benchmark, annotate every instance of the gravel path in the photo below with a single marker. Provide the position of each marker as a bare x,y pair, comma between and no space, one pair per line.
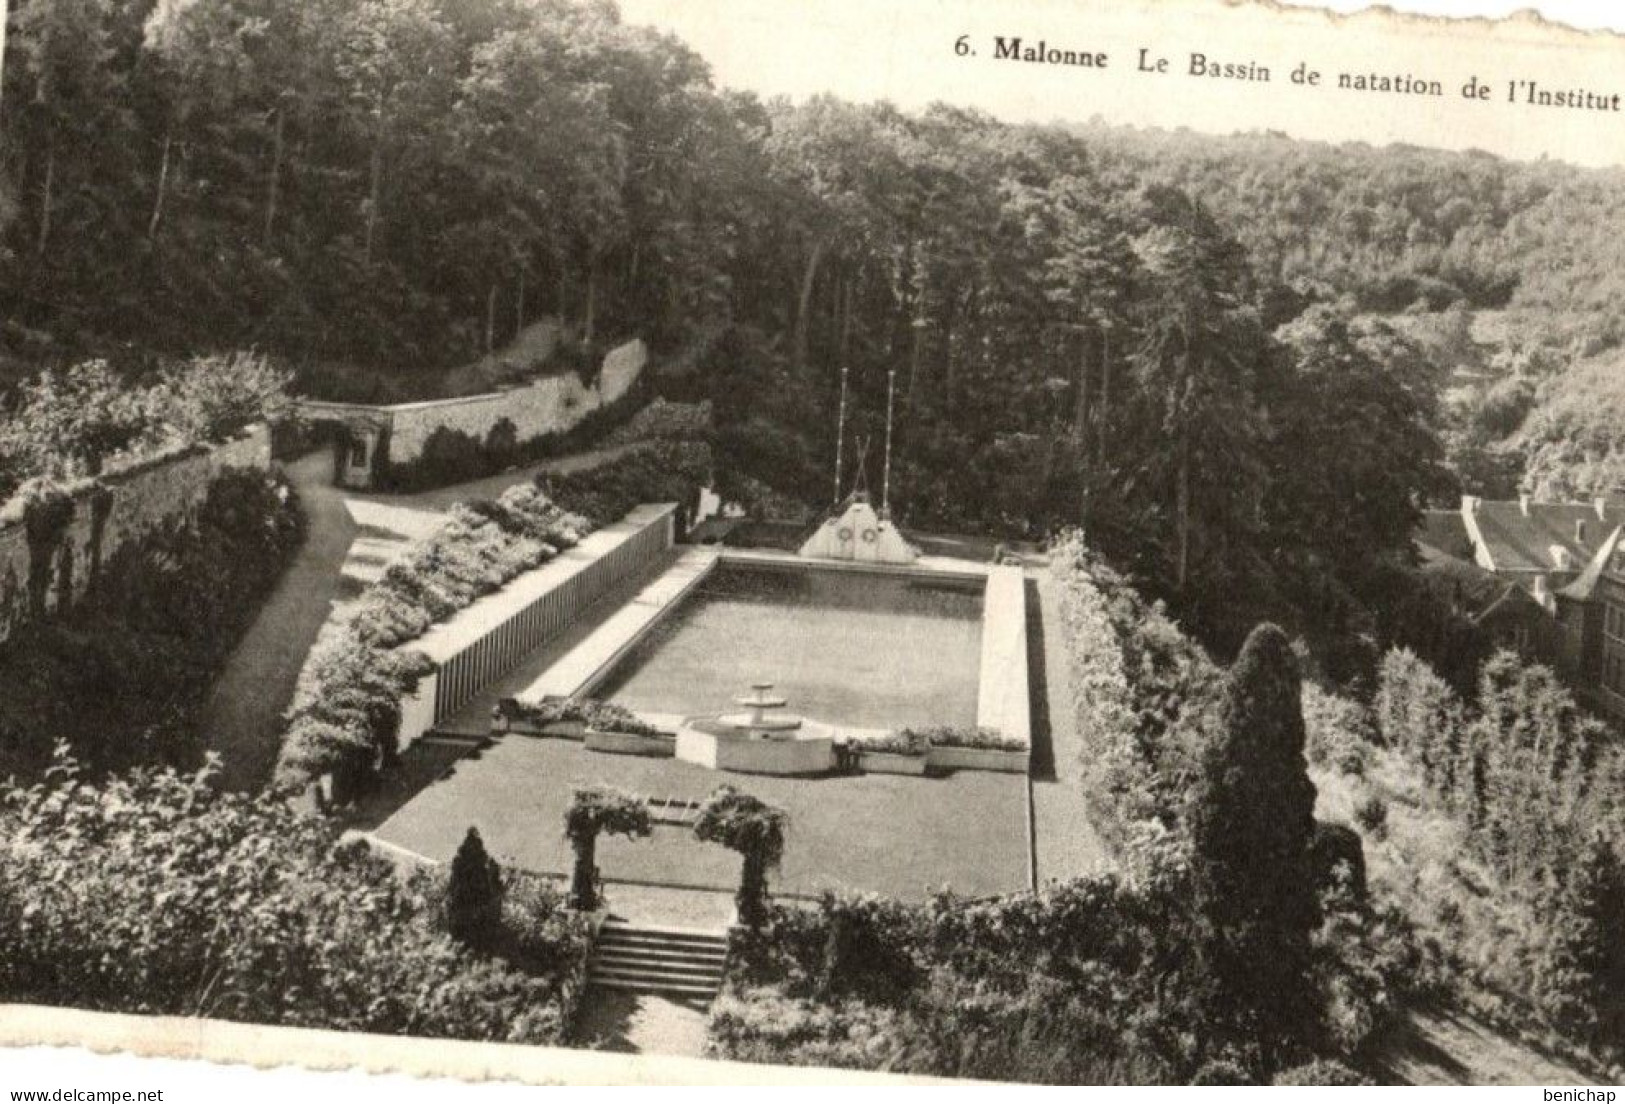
243,716
1064,842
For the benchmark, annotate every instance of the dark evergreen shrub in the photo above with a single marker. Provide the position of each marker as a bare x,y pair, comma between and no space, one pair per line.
474,895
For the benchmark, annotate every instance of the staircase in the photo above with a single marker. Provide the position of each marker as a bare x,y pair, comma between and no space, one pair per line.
680,962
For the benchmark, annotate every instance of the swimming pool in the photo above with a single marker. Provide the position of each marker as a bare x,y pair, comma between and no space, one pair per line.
866,649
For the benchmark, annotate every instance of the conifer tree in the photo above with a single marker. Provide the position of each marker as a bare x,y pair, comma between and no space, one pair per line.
1583,980
474,895
1251,821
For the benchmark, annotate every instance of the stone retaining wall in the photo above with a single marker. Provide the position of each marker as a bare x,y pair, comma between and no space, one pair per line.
112,510
548,407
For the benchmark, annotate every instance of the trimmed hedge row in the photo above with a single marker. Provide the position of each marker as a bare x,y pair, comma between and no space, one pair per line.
1145,697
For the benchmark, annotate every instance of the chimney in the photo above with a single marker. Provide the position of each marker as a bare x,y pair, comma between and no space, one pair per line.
1579,530
1601,503
1560,557
1539,590
1469,504
1523,504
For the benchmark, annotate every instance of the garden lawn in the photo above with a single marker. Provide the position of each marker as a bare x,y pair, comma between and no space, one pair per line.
882,833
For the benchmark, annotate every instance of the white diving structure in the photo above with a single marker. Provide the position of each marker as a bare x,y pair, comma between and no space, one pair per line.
855,531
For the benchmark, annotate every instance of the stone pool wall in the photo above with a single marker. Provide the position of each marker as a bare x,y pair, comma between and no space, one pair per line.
1003,702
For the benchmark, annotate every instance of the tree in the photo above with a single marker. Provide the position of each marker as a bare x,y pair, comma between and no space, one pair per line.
1251,820
756,830
1197,366
593,811
210,398
1583,976
395,65
1356,448
474,895
70,421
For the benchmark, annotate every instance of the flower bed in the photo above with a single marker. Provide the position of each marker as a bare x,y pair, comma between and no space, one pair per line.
903,752
571,718
484,545
979,738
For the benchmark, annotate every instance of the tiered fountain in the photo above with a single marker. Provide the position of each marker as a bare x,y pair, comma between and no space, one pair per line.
758,741
757,721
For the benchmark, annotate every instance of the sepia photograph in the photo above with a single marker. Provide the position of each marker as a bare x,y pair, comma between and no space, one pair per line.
674,542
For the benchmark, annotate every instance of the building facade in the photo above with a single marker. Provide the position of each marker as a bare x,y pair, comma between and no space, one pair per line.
1564,569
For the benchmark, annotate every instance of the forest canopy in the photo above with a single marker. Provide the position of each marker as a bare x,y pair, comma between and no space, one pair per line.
1177,340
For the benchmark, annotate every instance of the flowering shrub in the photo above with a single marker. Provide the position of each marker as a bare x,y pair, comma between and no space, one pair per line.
159,894
346,711
71,423
903,742
981,739
482,546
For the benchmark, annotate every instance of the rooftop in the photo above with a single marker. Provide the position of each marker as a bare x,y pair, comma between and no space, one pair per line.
1523,536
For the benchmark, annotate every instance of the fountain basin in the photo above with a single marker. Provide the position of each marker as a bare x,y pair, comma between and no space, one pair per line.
712,742
757,722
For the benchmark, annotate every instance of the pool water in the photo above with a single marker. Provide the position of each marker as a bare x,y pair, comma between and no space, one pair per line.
865,649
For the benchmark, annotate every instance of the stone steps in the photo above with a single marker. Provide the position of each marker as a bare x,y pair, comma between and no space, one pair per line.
652,959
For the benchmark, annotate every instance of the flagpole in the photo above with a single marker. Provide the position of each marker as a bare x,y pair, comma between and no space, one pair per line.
840,438
885,485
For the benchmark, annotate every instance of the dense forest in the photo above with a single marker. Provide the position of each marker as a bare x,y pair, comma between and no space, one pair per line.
1181,341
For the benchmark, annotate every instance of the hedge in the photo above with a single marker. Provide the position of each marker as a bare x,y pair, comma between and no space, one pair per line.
664,471
1144,697
1061,986
157,894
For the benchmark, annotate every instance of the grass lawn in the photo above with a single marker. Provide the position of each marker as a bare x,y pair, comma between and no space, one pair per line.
883,833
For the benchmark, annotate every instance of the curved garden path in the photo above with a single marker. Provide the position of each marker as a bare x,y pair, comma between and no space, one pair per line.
350,539
243,716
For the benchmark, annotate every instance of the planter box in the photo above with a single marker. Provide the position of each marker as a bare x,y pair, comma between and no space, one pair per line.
890,762
982,759
621,743
567,730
